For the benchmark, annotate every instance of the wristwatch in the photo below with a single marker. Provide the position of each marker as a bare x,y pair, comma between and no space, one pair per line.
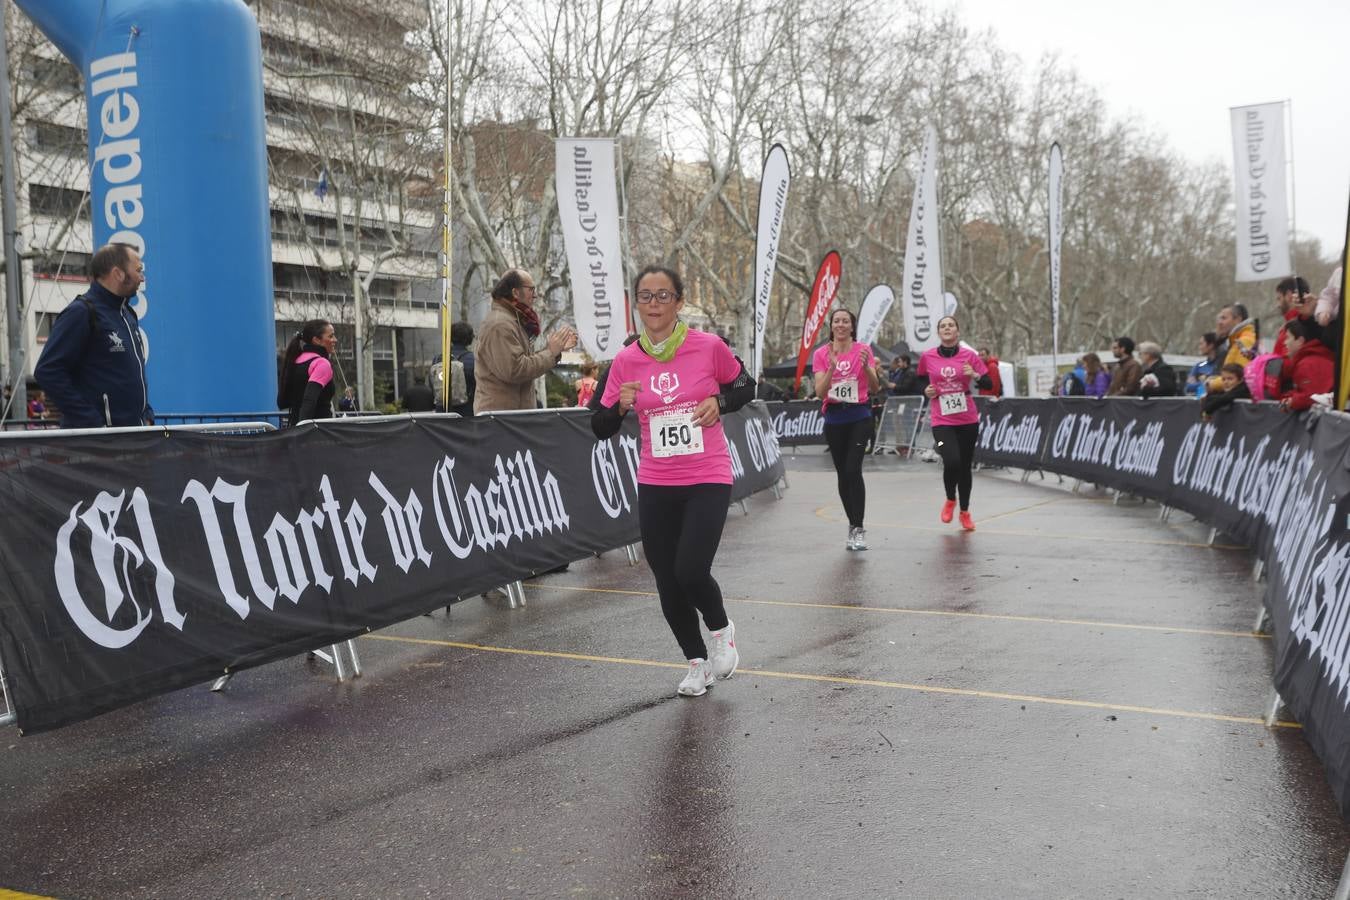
721,403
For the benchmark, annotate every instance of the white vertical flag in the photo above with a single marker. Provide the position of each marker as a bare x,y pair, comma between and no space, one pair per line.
1056,235
923,300
773,188
1260,192
875,306
588,209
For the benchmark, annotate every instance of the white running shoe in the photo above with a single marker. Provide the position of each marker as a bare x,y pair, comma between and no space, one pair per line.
724,657
852,542
859,539
696,683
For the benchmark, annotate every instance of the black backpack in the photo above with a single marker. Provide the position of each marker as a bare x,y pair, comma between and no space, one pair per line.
1072,386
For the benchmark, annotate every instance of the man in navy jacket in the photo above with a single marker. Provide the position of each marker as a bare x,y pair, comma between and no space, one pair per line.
93,365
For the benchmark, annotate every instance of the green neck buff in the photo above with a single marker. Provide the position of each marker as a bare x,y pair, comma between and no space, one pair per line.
665,351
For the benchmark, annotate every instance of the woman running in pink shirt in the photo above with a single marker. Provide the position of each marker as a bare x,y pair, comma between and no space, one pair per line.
844,376
950,368
673,378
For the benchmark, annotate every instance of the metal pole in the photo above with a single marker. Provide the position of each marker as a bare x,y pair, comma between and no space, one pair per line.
626,256
9,717
446,264
1343,889
393,338
1293,206
14,368
365,390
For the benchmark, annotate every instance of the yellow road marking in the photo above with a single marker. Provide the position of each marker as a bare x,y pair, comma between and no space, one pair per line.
6,894
900,610
840,679
1013,512
829,515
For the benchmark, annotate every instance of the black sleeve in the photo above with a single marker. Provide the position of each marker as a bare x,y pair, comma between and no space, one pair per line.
310,404
984,383
606,420
1213,402
738,393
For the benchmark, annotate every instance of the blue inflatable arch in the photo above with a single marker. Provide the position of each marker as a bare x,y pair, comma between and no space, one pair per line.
178,168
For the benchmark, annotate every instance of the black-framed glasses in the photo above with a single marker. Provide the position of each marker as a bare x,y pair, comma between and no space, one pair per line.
658,296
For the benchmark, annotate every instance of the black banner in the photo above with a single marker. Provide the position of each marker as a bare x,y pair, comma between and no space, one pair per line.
797,422
1012,432
1278,482
140,563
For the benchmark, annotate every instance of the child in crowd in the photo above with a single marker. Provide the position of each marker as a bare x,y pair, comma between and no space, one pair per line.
1310,369
586,384
1233,387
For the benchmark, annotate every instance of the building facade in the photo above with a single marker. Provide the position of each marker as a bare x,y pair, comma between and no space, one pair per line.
354,204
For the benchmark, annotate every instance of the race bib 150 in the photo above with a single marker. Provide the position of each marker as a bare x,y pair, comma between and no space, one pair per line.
675,434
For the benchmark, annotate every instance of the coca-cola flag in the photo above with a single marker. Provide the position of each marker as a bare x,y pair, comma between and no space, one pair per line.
876,304
823,291
773,191
922,296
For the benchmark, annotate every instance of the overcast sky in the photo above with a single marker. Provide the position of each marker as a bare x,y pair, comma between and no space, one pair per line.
1180,64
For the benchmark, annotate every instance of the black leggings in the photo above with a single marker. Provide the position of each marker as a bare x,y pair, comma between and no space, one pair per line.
956,446
681,527
846,443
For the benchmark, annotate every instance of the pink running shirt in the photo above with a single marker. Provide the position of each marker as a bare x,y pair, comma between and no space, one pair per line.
320,369
669,393
944,374
848,384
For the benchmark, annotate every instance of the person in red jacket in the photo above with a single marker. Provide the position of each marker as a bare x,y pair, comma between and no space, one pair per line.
991,362
1289,295
1311,369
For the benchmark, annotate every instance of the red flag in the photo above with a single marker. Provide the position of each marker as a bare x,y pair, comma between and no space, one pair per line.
823,292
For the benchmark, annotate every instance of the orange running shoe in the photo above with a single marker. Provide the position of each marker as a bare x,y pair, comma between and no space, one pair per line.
947,509
966,521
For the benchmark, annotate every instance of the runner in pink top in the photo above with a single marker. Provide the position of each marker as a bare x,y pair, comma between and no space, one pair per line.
845,374
950,369
673,377
306,386
680,451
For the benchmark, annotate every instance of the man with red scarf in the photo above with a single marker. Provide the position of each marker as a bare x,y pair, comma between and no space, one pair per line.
507,364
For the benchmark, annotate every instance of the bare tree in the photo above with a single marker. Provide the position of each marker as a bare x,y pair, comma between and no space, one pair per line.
350,128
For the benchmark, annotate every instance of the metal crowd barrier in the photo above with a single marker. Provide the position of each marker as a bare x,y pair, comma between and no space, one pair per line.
275,418
902,420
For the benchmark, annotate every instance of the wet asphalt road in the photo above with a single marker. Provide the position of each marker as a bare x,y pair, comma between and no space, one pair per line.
1064,704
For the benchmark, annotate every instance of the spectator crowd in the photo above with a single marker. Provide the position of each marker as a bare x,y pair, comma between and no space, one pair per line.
92,369
1298,371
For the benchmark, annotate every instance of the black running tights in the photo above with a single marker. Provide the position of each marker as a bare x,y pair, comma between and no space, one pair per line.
956,446
846,444
681,528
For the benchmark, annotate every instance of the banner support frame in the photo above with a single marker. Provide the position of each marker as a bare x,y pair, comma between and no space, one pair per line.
626,240
1293,203
10,715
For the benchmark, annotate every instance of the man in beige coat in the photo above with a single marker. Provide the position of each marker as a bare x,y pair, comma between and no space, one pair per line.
507,364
